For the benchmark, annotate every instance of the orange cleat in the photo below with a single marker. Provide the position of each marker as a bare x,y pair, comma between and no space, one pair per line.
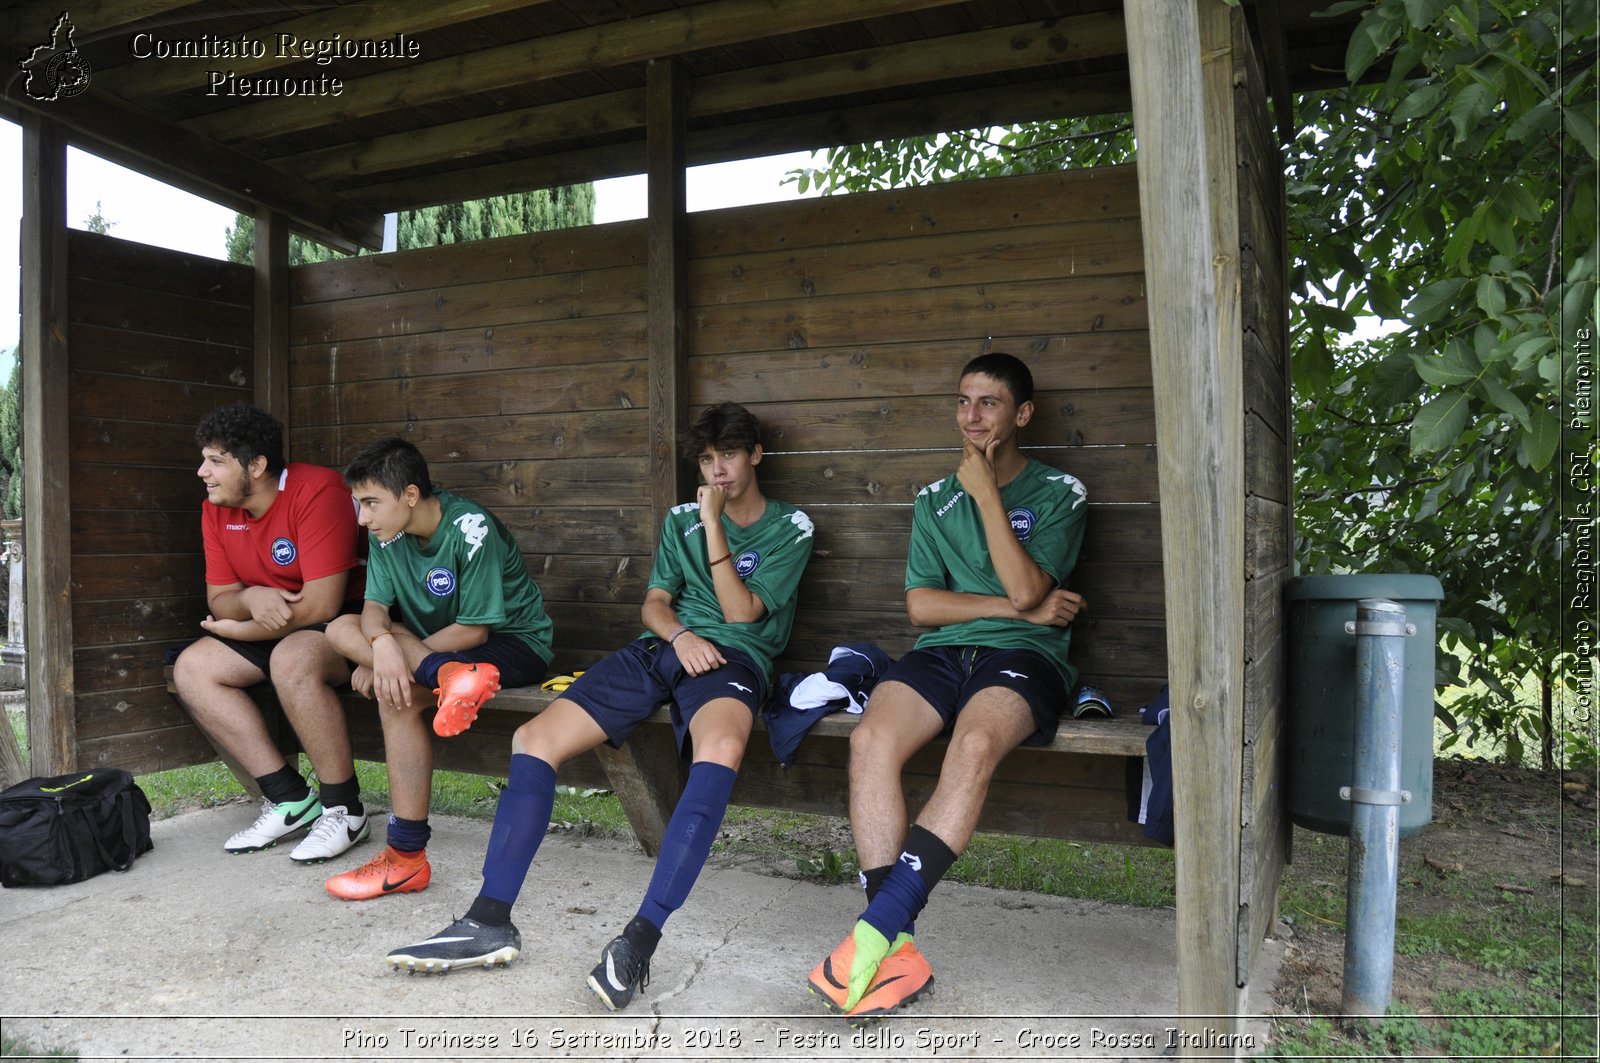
462,690
391,871
902,978
843,977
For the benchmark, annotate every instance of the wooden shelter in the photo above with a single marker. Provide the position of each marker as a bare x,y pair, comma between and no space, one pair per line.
547,375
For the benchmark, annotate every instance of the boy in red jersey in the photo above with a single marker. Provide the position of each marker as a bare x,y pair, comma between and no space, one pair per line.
282,555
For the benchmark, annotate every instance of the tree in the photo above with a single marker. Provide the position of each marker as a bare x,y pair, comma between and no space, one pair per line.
97,222
11,442
448,223
1450,191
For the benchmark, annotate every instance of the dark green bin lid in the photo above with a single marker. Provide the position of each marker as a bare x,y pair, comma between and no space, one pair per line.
1397,586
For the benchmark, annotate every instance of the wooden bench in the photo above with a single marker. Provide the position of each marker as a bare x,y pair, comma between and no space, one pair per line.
647,774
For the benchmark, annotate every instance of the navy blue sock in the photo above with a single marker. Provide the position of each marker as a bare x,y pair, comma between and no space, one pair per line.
690,832
408,835
872,881
520,821
904,893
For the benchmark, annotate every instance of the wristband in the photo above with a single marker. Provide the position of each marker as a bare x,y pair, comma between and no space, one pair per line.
373,641
720,560
676,633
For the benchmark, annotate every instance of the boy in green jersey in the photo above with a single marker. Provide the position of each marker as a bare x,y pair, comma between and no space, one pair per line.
719,607
991,548
471,619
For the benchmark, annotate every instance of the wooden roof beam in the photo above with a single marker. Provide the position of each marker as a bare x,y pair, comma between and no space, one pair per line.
960,55
140,81
690,29
1275,50
1061,98
30,23
110,128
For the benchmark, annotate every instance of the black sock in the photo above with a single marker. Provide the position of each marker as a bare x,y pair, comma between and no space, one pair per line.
347,793
643,935
285,784
489,912
872,878
931,857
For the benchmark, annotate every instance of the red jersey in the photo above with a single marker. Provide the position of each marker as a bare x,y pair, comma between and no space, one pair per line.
308,532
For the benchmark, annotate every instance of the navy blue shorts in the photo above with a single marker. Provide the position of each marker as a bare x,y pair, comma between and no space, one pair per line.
519,665
947,677
625,687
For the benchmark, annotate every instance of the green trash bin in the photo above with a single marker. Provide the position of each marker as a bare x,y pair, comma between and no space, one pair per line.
1322,695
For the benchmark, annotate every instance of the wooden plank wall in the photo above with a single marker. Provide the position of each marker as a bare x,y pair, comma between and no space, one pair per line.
843,324
518,366
157,340
1268,523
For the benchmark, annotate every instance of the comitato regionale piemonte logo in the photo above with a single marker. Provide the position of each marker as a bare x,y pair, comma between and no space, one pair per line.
56,70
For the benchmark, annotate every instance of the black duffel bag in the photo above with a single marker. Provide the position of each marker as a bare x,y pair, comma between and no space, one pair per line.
71,827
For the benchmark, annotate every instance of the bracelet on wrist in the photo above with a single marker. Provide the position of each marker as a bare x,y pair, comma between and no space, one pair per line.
720,560
373,641
675,634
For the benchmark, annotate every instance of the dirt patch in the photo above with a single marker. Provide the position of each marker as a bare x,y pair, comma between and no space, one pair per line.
1506,850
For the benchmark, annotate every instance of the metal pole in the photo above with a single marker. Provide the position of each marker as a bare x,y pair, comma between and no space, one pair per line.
1375,797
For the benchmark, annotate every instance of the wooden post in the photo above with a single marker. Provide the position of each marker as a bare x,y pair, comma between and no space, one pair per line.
1180,66
666,105
46,516
272,314
646,780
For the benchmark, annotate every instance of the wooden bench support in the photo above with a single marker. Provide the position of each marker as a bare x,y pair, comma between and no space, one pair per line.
647,776
1073,788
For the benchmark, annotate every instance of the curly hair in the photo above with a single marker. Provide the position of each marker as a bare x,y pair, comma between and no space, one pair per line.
725,426
245,432
393,464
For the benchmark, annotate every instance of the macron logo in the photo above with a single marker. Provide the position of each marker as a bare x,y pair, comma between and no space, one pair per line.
739,686
1013,675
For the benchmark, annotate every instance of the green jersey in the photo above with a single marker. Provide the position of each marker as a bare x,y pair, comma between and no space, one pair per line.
769,556
470,572
949,551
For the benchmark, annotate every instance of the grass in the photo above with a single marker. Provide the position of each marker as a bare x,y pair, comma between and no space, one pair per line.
15,1047
1525,964
1516,974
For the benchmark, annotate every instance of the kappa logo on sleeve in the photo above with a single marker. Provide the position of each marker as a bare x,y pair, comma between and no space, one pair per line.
1073,484
474,529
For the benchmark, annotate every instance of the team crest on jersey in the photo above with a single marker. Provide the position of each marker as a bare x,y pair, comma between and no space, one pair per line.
283,551
1022,523
747,563
441,582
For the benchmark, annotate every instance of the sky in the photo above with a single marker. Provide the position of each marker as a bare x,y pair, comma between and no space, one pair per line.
147,211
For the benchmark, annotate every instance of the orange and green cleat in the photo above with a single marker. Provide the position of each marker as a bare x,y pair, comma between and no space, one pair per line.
391,871
902,978
844,976
462,690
